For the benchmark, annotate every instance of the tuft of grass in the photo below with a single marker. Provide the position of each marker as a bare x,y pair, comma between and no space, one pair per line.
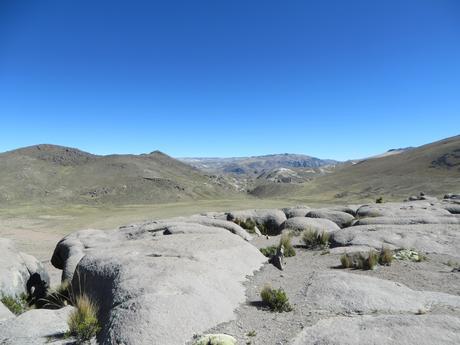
275,299
269,251
372,260
247,224
251,333
386,257
346,261
379,200
57,298
360,260
315,239
16,304
285,241
83,322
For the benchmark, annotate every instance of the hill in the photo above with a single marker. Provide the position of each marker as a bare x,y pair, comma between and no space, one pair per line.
56,174
433,168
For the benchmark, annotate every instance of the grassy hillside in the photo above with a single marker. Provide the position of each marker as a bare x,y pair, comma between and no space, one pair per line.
54,174
432,168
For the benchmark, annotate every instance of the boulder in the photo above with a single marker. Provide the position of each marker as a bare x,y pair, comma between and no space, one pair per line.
383,330
350,209
20,273
216,339
300,224
401,209
268,221
296,211
407,220
343,292
159,283
452,208
428,238
36,326
5,313
340,218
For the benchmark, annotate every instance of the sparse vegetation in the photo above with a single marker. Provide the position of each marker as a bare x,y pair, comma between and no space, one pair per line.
16,304
58,297
83,322
247,224
251,333
315,239
275,299
269,251
360,260
285,241
385,257
379,200
411,255
346,261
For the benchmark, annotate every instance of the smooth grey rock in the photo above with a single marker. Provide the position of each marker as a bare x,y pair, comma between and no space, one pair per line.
452,208
5,313
383,330
300,224
36,326
296,211
428,238
343,292
342,219
19,272
408,220
271,219
350,209
402,209
154,288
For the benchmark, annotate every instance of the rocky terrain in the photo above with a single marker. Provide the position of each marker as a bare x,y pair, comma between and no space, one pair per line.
180,280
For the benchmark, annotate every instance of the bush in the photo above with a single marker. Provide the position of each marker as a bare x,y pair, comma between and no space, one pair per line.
83,322
371,261
17,305
276,300
360,261
247,224
385,257
285,241
269,251
379,200
56,298
315,239
346,261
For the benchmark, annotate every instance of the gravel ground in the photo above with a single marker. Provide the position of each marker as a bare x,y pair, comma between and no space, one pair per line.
280,328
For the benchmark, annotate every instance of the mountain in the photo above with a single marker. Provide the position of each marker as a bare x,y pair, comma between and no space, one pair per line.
56,174
254,166
433,168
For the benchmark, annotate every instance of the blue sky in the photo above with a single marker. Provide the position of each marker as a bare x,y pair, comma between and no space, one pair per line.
333,79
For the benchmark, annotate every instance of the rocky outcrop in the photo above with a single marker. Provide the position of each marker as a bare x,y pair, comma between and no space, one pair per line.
20,273
342,219
5,313
296,211
269,221
159,282
383,330
299,224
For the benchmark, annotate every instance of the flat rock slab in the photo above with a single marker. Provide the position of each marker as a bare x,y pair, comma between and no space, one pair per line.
5,313
429,238
271,219
383,330
39,326
402,209
348,293
159,283
16,270
300,224
342,219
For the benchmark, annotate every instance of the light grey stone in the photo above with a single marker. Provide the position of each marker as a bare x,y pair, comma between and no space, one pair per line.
342,219
300,224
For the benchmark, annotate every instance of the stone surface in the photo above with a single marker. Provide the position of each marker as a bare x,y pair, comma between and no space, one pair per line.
162,282
408,220
216,339
342,219
5,313
428,238
271,219
19,272
343,292
383,330
402,209
300,224
296,211
36,326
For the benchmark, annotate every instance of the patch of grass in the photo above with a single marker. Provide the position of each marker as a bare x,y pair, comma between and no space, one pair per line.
16,304
285,241
251,333
83,322
372,260
275,299
269,251
58,297
360,260
379,200
249,225
346,261
385,257
315,239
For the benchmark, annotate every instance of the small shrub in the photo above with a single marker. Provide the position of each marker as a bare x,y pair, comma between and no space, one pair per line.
269,251
57,298
247,224
360,260
83,322
372,260
379,200
251,333
285,241
17,305
315,239
346,261
275,299
385,257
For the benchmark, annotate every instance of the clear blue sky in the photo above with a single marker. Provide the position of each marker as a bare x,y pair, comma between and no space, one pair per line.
334,79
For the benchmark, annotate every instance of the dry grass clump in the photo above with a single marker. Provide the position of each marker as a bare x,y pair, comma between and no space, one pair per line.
285,242
247,224
83,322
315,239
360,260
275,299
16,304
386,257
57,298
269,251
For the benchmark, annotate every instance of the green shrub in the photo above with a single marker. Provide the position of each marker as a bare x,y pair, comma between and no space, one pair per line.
16,304
285,241
379,200
275,299
385,257
315,239
247,224
409,254
269,251
83,322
